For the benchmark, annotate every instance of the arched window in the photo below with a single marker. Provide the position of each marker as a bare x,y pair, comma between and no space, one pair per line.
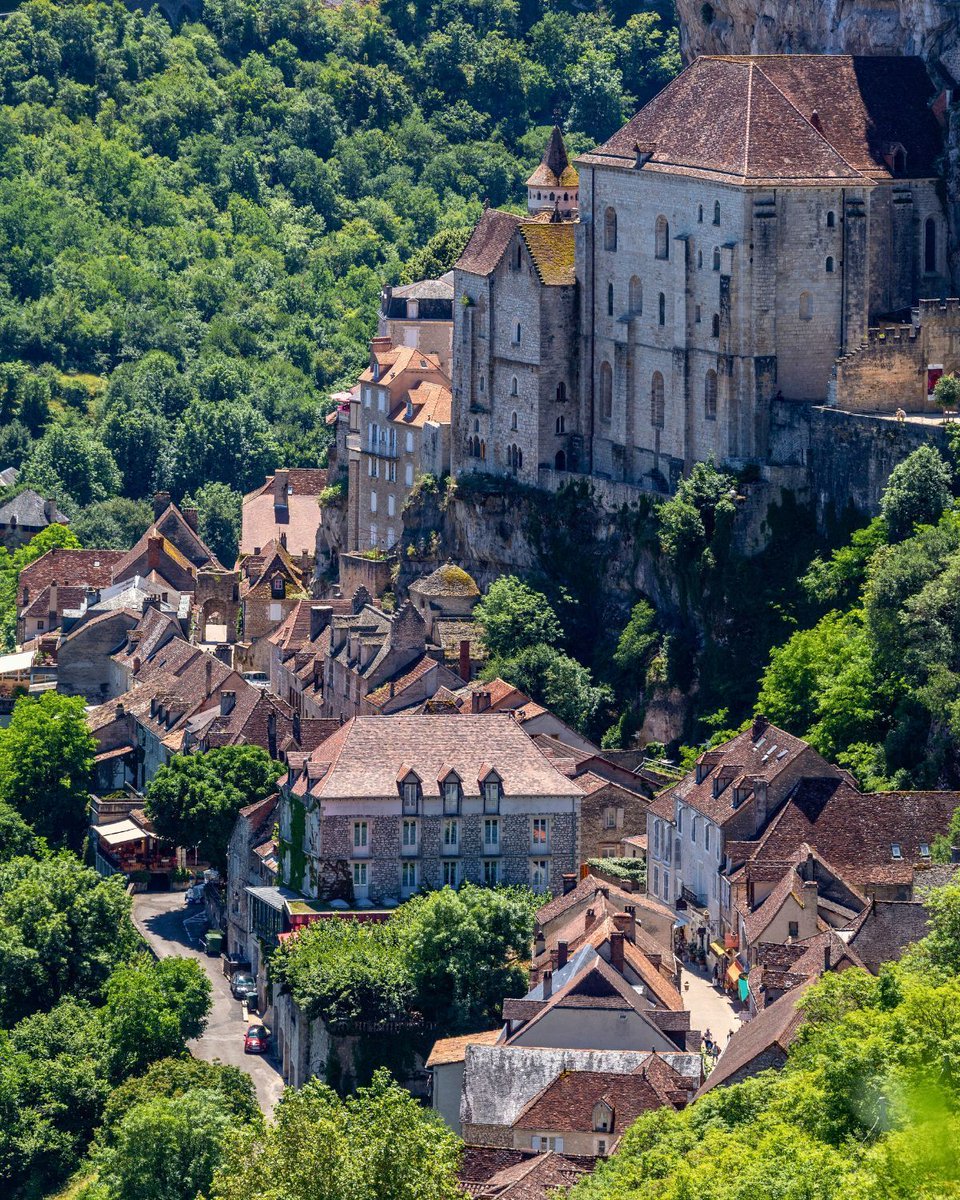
561,426
560,462
561,392
662,238
514,386
552,196
829,264
716,258
716,324
606,392
831,219
476,426
806,306
517,334
609,299
710,395
930,246
661,309
610,229
636,295
518,258
700,214
513,420
716,212
656,400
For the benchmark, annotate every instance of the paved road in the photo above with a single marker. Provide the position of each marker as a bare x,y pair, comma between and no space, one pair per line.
710,1008
159,917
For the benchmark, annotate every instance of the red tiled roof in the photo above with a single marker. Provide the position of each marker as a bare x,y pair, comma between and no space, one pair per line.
81,568
784,119
488,242
298,518
566,1105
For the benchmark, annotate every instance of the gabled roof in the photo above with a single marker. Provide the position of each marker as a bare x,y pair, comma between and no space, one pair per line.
883,931
298,517
551,248
29,509
784,120
81,568
488,242
537,1177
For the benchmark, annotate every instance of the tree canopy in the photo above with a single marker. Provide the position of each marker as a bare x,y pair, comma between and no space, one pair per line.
194,800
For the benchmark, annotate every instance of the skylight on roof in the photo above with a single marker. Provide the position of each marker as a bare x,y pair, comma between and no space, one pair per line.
896,851
924,850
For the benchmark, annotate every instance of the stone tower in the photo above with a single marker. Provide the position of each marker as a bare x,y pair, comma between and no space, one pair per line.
554,185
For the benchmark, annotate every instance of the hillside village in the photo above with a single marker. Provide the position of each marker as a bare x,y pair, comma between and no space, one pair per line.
307,774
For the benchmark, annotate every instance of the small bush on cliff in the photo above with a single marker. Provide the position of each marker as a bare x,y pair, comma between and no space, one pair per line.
515,617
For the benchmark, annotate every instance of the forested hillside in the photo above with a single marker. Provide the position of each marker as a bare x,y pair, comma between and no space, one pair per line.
195,225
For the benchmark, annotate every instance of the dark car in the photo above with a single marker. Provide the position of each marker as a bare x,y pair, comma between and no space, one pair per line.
243,985
255,1040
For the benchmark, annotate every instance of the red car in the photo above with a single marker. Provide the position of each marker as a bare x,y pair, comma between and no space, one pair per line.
255,1040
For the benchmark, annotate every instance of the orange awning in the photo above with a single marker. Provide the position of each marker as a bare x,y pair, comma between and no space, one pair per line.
733,973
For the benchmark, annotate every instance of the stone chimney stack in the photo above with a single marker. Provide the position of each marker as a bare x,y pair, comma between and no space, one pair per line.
161,502
281,483
154,546
616,952
760,723
227,702
631,931
465,659
320,615
547,984
569,882
192,518
49,511
563,950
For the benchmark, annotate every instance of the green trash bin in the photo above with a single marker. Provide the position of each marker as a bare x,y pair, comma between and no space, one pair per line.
213,942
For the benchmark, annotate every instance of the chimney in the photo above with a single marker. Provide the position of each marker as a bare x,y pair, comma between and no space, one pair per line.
465,659
320,615
227,701
631,931
826,957
539,944
281,482
563,950
474,702
621,922
136,665
49,511
192,518
590,920
272,735
119,710
760,723
283,539
161,502
52,606
815,121
154,546
569,882
547,984
616,952
208,673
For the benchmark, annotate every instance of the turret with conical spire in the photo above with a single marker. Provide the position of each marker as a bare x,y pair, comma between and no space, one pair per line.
554,185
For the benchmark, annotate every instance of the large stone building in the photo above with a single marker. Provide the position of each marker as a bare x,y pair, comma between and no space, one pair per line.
743,230
427,801
399,430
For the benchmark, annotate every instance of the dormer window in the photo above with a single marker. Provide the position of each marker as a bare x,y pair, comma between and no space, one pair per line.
452,794
924,850
277,587
602,1117
375,367
896,851
491,787
411,793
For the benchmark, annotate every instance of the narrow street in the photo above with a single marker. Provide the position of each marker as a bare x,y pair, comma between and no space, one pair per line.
159,916
709,1007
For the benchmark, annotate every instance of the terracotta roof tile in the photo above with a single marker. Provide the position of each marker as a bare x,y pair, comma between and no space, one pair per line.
488,242
81,568
551,248
567,1104
453,1049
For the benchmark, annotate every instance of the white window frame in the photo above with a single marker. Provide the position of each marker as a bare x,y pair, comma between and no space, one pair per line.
451,873
491,872
451,835
540,834
361,835
491,844
409,834
540,874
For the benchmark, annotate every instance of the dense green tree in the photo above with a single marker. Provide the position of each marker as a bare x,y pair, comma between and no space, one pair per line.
46,763
165,1148
195,800
379,1144
16,836
70,461
220,509
515,617
917,492
115,524
152,1010
65,928
556,680
637,642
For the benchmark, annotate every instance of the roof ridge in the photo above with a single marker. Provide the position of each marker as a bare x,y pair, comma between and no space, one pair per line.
746,135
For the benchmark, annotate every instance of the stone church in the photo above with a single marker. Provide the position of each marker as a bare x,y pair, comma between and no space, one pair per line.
713,258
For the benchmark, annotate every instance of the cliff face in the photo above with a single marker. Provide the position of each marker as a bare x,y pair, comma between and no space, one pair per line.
925,27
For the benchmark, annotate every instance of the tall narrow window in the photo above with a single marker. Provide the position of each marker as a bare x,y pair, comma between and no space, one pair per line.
518,260
514,388
513,420
930,246
829,264
710,396
636,295
716,258
561,392
806,306
656,401
561,426
716,324
610,229
700,214
661,309
609,299
517,334
716,212
662,238
831,219
606,392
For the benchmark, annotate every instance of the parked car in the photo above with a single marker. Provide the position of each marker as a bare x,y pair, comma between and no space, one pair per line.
243,985
193,895
255,1040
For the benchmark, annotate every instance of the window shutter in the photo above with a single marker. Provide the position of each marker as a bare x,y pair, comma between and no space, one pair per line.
535,1142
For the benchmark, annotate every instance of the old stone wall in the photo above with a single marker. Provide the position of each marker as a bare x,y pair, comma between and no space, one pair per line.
371,573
